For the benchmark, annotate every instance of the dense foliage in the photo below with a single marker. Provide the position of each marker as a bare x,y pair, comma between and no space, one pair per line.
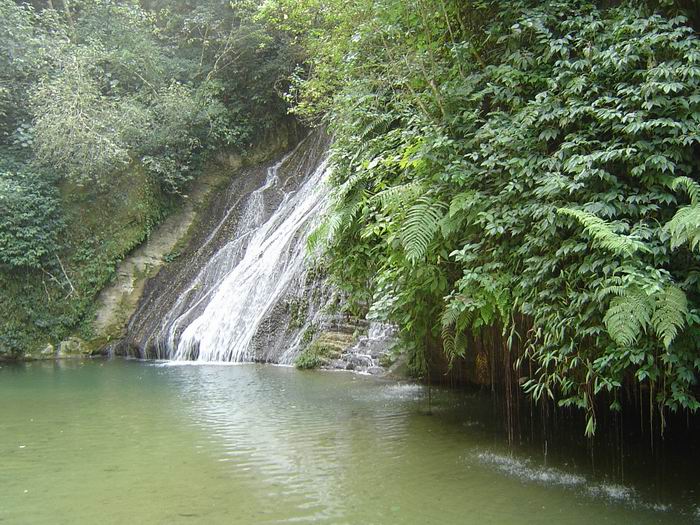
529,169
107,110
29,219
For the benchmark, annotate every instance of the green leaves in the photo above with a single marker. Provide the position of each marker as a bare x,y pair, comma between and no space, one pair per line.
519,171
634,311
455,320
30,219
77,129
628,316
107,108
670,313
684,227
420,226
603,234
395,198
690,186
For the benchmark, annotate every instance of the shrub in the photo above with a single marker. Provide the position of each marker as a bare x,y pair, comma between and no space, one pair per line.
30,219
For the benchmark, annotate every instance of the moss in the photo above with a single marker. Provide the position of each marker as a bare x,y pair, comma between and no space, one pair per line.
388,359
308,335
102,227
316,355
298,308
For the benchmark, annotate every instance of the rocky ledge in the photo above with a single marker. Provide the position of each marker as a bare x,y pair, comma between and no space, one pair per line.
338,346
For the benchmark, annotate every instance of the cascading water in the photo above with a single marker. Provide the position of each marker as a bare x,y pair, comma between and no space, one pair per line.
220,303
238,304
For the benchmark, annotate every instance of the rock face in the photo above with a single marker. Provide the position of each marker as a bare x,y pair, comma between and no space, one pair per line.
370,353
245,287
352,344
119,301
70,346
236,291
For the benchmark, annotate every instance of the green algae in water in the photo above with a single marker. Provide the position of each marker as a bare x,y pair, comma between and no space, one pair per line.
131,442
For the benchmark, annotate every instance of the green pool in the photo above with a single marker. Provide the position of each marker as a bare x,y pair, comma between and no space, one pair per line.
112,442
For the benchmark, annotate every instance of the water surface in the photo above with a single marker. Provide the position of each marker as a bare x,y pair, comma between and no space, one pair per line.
132,442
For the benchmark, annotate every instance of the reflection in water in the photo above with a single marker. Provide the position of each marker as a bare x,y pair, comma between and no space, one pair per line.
297,444
122,442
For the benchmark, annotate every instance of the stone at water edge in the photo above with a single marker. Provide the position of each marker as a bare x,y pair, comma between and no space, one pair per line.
73,346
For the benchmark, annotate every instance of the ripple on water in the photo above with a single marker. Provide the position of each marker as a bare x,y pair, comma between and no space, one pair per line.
520,468
404,392
612,492
257,444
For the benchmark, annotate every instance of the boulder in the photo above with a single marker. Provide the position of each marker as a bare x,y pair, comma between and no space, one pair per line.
73,346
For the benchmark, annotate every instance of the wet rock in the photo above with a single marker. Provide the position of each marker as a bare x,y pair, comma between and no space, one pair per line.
377,353
360,361
399,369
49,351
338,364
72,346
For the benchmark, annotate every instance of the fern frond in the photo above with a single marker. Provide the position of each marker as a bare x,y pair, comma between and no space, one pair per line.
333,223
628,316
684,227
449,317
375,124
318,237
421,224
351,184
464,201
450,225
454,342
611,290
691,187
669,316
398,196
603,234
455,319
448,341
460,344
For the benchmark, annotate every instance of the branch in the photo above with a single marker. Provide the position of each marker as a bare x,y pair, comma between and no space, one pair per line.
72,288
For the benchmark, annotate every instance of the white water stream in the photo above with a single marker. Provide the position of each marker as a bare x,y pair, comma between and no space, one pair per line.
242,282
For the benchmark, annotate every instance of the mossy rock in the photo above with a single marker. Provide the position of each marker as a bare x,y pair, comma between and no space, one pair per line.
48,352
316,355
387,360
72,347
325,348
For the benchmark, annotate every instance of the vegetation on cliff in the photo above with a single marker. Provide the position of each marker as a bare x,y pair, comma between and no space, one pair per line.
518,180
107,111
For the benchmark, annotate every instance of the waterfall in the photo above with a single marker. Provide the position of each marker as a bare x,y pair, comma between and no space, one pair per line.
222,299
